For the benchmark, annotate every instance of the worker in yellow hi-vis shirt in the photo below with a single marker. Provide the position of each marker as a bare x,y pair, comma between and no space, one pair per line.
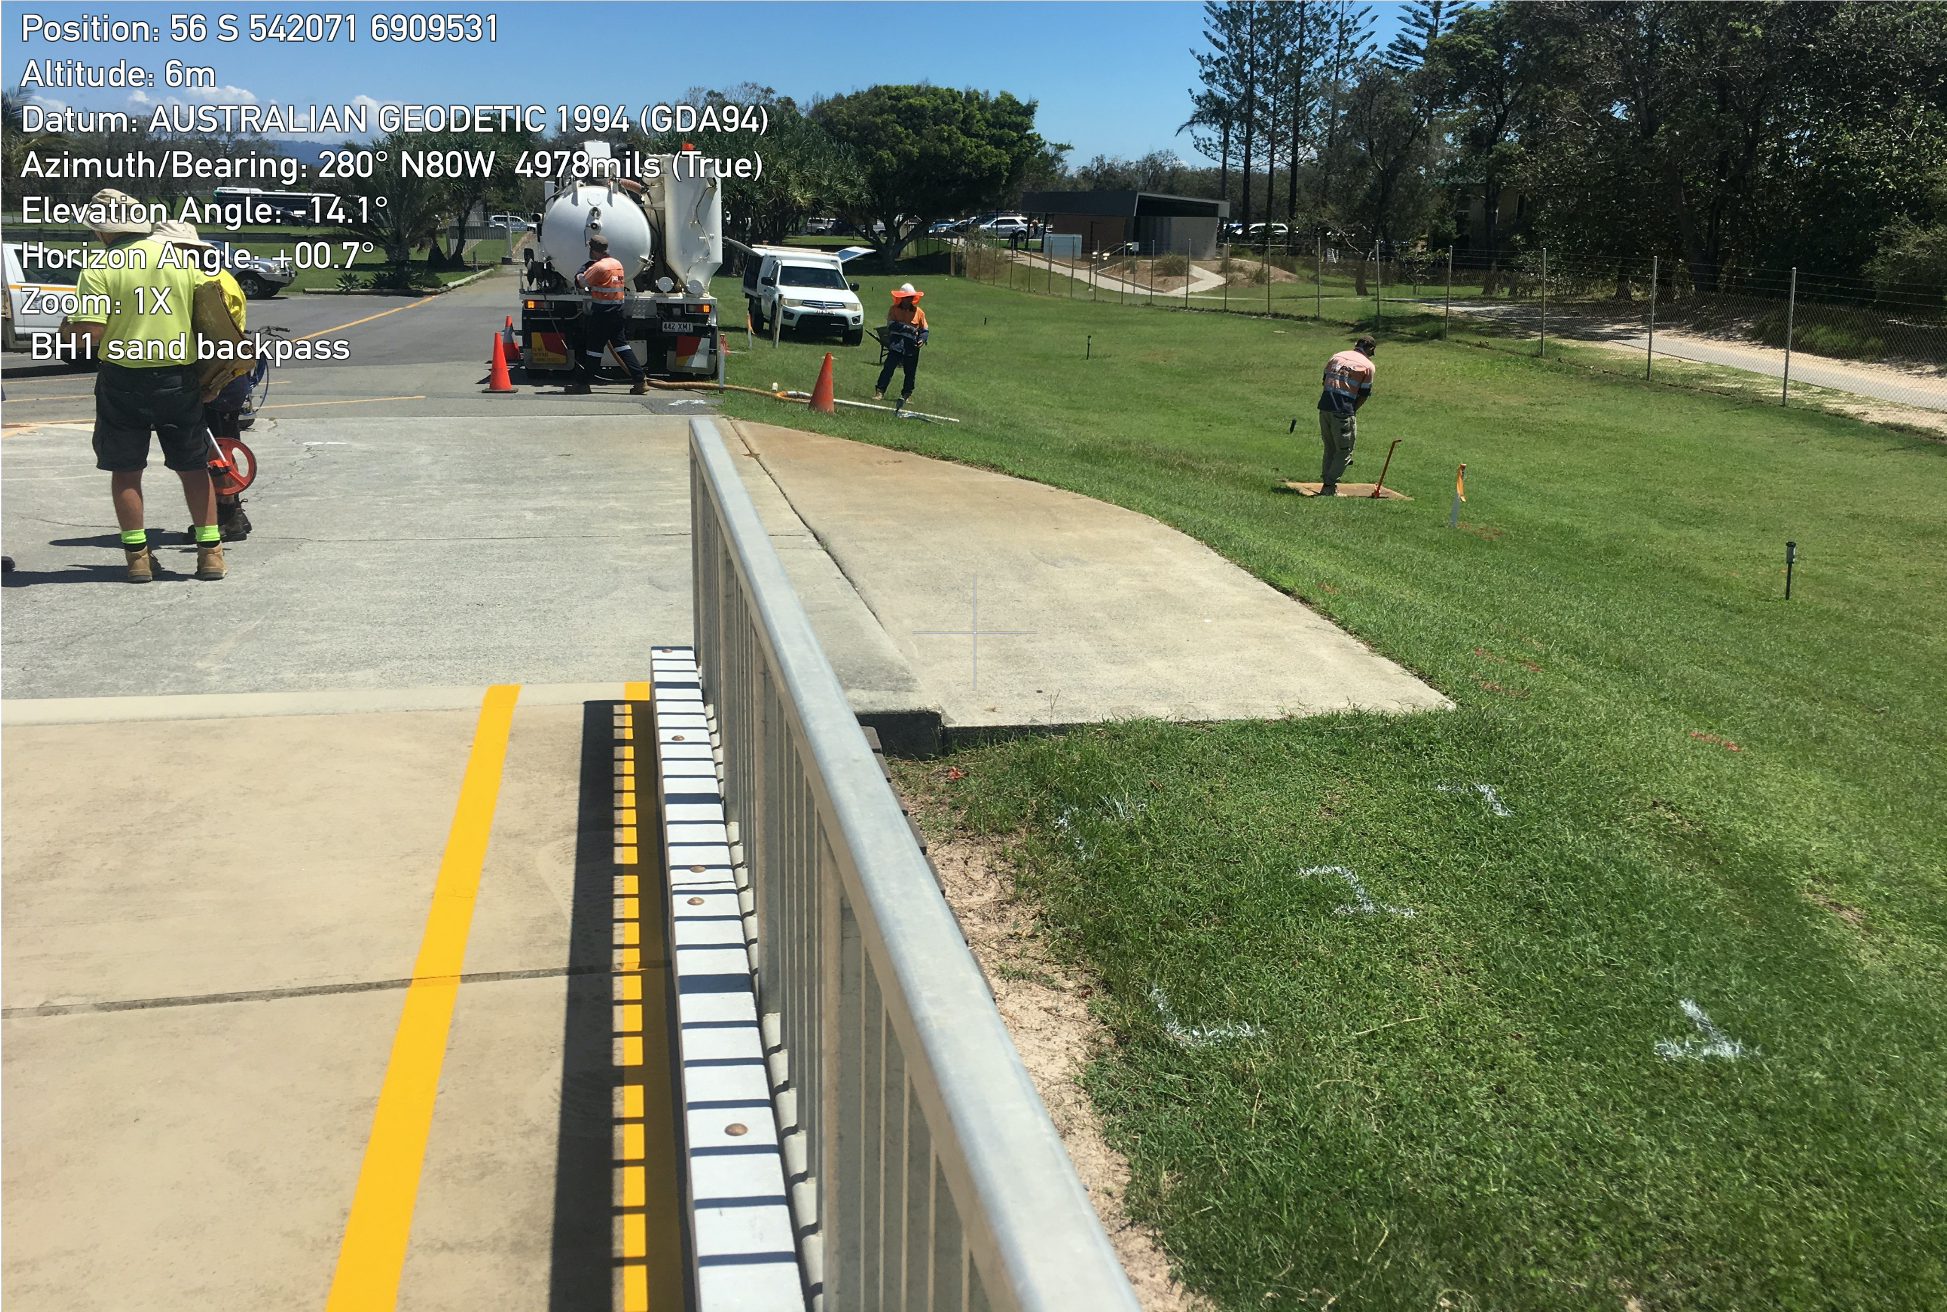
137,312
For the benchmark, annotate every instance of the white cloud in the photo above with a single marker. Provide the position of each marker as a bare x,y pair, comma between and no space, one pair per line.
224,95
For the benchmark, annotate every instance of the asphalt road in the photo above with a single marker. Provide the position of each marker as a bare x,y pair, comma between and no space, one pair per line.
411,529
423,356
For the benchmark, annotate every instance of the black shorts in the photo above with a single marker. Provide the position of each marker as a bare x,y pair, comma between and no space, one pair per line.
130,402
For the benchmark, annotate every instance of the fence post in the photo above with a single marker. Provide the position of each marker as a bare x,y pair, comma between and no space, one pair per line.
1447,318
1318,283
1791,314
1544,302
1649,350
1265,256
1375,287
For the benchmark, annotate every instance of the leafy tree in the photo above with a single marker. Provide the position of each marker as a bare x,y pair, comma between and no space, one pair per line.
806,172
1426,21
1233,77
466,192
927,153
1349,42
403,212
1389,198
1212,116
1159,170
1910,267
1491,73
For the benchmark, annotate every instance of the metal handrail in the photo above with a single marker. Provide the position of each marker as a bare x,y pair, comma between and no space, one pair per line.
925,1172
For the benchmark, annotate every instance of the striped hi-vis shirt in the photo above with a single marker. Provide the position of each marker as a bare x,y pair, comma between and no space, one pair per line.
1348,378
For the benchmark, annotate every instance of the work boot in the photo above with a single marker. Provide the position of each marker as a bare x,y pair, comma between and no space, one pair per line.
878,396
576,389
141,564
1328,490
209,560
232,522
640,387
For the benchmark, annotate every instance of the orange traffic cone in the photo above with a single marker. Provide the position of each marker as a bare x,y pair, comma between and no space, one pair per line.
497,379
821,391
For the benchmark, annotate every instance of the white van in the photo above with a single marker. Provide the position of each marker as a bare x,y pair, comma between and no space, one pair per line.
805,289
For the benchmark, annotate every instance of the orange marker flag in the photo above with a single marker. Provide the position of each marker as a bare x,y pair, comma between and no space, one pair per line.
1460,482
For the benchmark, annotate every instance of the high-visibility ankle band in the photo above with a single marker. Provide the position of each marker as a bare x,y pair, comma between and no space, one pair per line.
135,537
208,533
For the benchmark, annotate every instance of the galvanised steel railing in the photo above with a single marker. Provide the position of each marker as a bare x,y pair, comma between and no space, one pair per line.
923,1168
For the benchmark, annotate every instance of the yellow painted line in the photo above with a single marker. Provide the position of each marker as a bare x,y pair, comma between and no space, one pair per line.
65,396
636,690
374,1245
356,400
367,319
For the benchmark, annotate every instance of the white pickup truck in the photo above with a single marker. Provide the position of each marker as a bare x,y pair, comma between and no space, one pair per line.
804,289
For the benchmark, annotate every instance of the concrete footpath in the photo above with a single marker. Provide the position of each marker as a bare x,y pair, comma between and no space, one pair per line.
229,806
1016,604
208,926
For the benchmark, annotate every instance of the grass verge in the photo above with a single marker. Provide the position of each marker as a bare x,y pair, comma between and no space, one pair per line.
1717,797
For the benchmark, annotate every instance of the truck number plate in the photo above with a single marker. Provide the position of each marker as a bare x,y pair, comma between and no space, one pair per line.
692,329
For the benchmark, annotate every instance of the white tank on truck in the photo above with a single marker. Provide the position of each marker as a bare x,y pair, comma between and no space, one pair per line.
586,209
666,230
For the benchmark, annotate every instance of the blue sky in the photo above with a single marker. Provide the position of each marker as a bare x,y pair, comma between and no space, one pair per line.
1111,76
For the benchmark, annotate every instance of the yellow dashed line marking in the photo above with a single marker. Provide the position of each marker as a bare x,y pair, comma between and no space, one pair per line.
648,1226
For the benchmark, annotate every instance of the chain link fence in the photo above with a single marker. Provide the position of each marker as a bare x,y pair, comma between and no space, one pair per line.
1753,332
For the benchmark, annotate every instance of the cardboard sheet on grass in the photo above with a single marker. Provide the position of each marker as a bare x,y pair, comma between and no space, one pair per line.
1348,490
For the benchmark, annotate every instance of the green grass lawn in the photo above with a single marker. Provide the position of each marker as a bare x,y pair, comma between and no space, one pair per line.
1466,1107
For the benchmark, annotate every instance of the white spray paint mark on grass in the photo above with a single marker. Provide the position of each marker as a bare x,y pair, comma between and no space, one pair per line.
1486,791
689,403
1201,1036
1362,903
1065,823
1713,1043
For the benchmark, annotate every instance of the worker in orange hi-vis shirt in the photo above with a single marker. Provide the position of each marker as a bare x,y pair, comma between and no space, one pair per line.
606,322
1348,385
906,332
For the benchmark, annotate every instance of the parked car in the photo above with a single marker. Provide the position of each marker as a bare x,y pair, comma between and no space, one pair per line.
820,227
260,276
34,299
512,222
1006,225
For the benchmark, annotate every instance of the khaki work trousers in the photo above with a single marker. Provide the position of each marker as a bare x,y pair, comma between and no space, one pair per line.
1337,431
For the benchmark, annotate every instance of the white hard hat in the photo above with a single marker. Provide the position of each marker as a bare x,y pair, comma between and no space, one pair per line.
907,287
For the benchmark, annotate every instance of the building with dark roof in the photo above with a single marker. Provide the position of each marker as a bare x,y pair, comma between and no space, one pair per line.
1158,224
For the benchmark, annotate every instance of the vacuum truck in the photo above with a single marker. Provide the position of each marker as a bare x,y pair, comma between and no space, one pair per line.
667,231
